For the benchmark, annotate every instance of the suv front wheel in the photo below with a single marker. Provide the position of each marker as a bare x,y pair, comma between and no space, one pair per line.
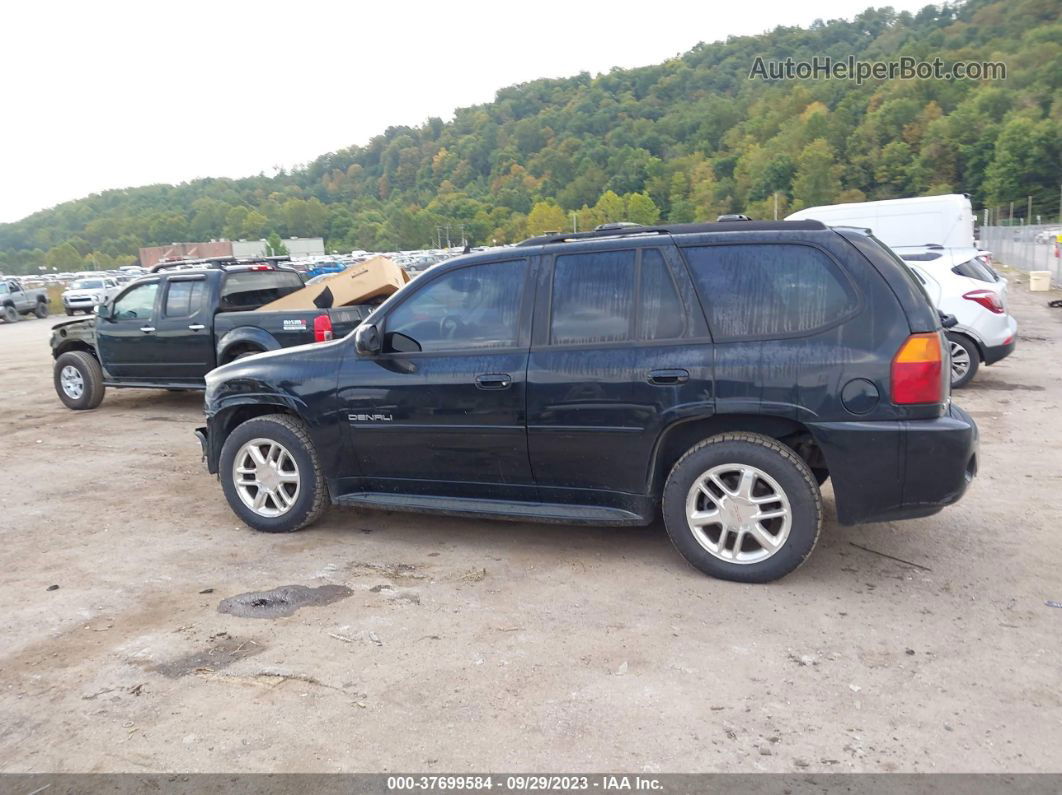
271,476
742,507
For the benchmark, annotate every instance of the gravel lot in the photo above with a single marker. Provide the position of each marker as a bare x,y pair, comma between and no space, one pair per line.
475,645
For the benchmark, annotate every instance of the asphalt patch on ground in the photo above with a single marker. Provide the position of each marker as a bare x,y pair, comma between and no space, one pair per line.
282,601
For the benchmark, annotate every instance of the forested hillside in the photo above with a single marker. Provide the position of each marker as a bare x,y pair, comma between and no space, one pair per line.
678,141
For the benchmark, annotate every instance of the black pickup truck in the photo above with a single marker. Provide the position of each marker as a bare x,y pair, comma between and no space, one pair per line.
169,329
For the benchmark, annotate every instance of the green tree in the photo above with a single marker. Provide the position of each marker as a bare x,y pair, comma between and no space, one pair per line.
275,246
611,208
546,216
817,178
641,209
64,257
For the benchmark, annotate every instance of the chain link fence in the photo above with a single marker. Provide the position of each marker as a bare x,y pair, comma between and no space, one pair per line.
1030,247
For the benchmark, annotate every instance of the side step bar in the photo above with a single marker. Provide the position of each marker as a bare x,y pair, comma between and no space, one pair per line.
494,509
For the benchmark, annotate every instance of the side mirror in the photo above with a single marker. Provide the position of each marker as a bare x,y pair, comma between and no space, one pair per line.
947,321
367,339
102,310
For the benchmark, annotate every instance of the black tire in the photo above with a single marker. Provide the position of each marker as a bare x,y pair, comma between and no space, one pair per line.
244,355
91,375
69,312
789,472
10,314
972,353
41,309
312,496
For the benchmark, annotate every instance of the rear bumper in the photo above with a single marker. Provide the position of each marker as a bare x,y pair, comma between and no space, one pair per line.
885,471
993,354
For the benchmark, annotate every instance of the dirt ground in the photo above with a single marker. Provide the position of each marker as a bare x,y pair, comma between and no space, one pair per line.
458,645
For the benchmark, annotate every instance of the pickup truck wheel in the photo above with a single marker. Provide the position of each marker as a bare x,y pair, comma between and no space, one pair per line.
41,310
78,380
10,314
271,475
742,507
965,359
70,313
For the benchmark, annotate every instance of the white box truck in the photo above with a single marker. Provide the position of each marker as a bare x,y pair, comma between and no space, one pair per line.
946,221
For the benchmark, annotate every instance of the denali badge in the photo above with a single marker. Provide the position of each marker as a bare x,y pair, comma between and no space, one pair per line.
369,417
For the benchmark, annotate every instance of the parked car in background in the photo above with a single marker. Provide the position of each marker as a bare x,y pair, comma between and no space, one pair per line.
717,373
168,329
961,284
84,295
17,300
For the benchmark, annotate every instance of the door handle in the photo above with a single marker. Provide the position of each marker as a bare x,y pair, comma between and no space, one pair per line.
668,377
197,327
494,381
147,329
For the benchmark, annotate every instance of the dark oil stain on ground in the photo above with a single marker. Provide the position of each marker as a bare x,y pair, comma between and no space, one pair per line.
1003,386
282,601
223,653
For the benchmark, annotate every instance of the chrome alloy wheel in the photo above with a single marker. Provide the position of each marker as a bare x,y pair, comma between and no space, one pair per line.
738,513
960,361
266,477
72,381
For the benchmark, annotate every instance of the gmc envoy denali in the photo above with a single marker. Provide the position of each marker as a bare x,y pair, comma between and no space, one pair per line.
715,373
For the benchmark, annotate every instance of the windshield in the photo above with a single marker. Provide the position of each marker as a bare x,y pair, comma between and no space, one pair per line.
3,288
87,284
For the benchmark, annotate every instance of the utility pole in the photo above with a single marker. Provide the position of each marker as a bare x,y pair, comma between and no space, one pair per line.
575,224
1028,211
776,205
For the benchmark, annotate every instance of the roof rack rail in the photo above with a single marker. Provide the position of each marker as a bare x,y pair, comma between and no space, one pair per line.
218,262
676,229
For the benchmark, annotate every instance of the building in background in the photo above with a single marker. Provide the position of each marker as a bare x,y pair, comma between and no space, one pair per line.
296,246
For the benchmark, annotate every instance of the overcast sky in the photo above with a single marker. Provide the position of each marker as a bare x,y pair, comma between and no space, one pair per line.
105,94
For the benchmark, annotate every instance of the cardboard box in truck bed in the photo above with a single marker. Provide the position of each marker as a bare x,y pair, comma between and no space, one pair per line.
365,282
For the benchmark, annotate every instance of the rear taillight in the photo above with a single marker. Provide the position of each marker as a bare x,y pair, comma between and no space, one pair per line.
322,328
916,370
986,298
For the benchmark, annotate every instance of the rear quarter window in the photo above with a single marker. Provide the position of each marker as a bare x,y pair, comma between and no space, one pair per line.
769,290
249,290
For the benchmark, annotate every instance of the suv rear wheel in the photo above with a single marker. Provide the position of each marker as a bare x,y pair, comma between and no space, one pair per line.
965,359
742,507
271,475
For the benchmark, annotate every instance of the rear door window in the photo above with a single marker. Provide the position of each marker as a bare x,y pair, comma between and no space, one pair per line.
184,297
593,298
769,290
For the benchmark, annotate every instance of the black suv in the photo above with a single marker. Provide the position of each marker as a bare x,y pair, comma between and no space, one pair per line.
719,373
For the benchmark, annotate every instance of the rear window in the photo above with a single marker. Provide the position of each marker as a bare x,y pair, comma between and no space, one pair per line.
974,269
87,284
252,289
768,290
